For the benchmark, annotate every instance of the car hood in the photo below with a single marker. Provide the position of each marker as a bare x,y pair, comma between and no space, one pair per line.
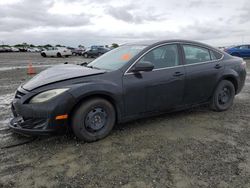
59,73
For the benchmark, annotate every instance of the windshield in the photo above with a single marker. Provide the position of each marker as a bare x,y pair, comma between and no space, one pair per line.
116,58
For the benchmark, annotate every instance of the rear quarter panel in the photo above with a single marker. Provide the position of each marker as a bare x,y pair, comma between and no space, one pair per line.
234,69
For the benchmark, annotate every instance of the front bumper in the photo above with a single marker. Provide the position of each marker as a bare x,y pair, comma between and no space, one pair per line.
40,118
28,127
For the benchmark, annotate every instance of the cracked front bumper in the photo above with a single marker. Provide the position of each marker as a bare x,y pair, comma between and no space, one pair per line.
30,126
40,118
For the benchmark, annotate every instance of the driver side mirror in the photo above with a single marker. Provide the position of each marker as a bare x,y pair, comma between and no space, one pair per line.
143,66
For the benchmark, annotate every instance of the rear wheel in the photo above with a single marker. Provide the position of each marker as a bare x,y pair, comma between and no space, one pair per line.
59,54
93,120
43,54
223,96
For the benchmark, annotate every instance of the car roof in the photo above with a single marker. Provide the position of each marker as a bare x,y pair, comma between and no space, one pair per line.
157,42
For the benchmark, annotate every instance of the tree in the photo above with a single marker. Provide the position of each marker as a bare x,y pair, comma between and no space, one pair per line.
59,45
114,45
48,45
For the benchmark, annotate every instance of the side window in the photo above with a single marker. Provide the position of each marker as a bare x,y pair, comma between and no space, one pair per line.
162,57
243,47
215,55
195,54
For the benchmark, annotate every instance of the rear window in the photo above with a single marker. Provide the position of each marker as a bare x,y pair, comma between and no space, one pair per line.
196,54
215,55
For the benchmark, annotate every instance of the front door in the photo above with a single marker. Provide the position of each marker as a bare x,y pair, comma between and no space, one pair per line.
157,90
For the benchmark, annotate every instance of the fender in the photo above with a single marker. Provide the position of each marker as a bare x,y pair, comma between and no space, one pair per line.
98,87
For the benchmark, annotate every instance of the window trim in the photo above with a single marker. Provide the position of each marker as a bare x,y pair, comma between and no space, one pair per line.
181,56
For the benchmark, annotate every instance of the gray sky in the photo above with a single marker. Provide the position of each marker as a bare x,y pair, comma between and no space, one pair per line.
73,22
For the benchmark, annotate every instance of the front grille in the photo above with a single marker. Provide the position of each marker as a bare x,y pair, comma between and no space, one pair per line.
19,94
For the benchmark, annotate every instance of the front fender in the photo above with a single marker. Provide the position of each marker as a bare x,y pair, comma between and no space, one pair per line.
100,88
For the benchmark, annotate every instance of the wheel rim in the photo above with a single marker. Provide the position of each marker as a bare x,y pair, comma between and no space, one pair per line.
96,119
224,95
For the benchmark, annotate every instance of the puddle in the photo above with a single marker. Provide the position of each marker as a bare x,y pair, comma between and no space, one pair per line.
5,100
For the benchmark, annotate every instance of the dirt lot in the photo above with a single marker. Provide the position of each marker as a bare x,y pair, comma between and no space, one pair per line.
193,148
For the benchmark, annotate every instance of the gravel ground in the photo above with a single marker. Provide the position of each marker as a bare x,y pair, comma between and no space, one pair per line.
192,148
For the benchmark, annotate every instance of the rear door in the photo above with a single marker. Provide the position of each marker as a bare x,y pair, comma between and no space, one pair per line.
244,51
203,69
248,51
157,90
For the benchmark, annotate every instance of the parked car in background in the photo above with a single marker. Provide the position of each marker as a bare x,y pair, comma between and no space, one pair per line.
2,49
14,49
5,49
95,51
22,49
239,51
33,50
56,52
78,51
130,82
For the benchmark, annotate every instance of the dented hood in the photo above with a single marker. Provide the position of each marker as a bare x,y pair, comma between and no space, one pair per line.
59,73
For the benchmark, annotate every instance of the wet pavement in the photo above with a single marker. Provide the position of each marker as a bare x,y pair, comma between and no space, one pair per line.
192,148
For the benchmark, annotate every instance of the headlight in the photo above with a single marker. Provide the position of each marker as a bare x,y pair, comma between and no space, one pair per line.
47,95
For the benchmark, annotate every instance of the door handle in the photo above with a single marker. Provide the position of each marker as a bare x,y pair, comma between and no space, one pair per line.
177,74
217,66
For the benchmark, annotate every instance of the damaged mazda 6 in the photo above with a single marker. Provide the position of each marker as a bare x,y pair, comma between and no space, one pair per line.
133,81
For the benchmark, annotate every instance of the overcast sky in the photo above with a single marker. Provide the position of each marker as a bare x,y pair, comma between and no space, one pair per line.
86,22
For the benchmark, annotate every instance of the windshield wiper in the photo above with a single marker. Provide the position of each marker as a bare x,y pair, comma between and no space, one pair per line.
85,64
92,67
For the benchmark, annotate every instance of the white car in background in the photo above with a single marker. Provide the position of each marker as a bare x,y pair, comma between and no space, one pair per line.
33,50
13,49
56,52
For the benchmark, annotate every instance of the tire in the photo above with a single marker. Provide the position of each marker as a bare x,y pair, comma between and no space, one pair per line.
59,54
99,54
43,54
93,120
223,96
85,55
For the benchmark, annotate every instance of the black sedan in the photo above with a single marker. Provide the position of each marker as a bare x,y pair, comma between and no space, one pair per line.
95,51
130,82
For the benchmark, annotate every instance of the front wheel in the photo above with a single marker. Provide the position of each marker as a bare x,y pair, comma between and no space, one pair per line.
93,120
223,96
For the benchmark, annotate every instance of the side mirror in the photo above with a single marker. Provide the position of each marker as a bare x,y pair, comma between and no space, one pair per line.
143,66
